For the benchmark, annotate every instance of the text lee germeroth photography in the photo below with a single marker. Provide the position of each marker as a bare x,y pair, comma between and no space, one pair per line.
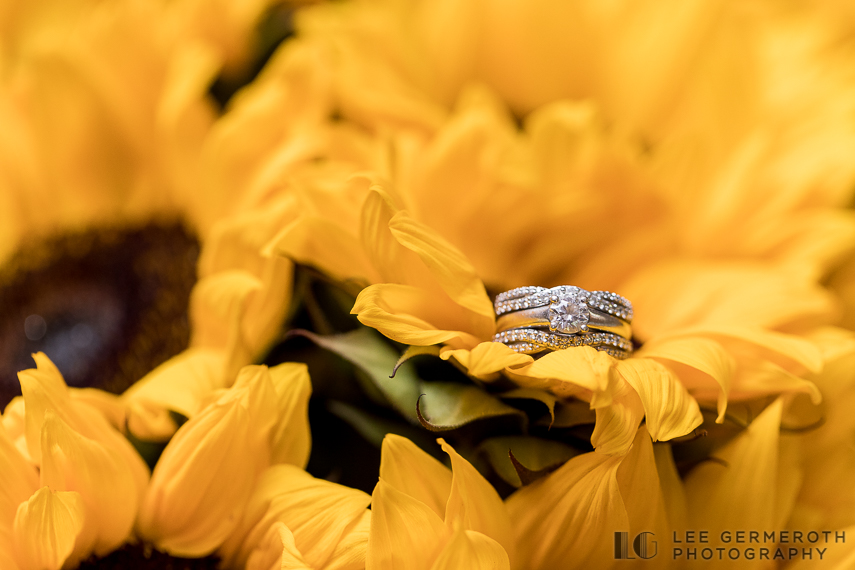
748,545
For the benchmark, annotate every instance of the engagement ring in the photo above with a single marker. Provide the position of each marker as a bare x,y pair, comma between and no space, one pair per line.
534,319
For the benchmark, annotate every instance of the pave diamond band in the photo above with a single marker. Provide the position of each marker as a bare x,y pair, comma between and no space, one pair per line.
530,341
528,297
534,319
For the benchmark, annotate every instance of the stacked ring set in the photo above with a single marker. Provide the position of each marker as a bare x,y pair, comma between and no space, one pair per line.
531,320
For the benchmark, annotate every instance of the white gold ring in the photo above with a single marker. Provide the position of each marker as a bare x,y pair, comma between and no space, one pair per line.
534,319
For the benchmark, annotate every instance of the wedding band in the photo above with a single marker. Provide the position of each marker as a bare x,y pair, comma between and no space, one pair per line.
534,319
532,341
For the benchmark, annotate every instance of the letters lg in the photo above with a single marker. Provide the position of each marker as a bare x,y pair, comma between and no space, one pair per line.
643,546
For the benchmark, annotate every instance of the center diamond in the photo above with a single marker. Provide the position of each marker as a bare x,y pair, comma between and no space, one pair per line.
569,314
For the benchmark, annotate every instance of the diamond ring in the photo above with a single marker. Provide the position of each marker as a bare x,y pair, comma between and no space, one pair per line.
534,319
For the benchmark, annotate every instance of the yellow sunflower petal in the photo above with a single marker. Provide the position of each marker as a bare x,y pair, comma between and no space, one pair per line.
702,354
14,422
46,527
339,253
277,551
668,408
405,534
471,549
149,421
568,518
617,423
394,262
108,405
456,168
20,480
766,378
47,372
583,372
181,384
817,238
486,360
474,504
45,392
43,389
641,488
747,491
413,315
7,552
404,466
678,294
104,481
671,487
236,243
292,439
318,514
202,481
282,108
781,348
455,274
351,550
217,305
190,71
406,252
381,93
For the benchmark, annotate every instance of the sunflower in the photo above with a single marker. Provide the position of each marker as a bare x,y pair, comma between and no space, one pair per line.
105,212
230,483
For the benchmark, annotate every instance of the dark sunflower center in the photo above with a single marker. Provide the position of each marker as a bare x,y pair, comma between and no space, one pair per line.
138,557
106,305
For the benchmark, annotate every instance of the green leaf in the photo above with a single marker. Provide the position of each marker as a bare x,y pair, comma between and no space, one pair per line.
443,406
533,394
367,350
446,406
521,459
412,351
